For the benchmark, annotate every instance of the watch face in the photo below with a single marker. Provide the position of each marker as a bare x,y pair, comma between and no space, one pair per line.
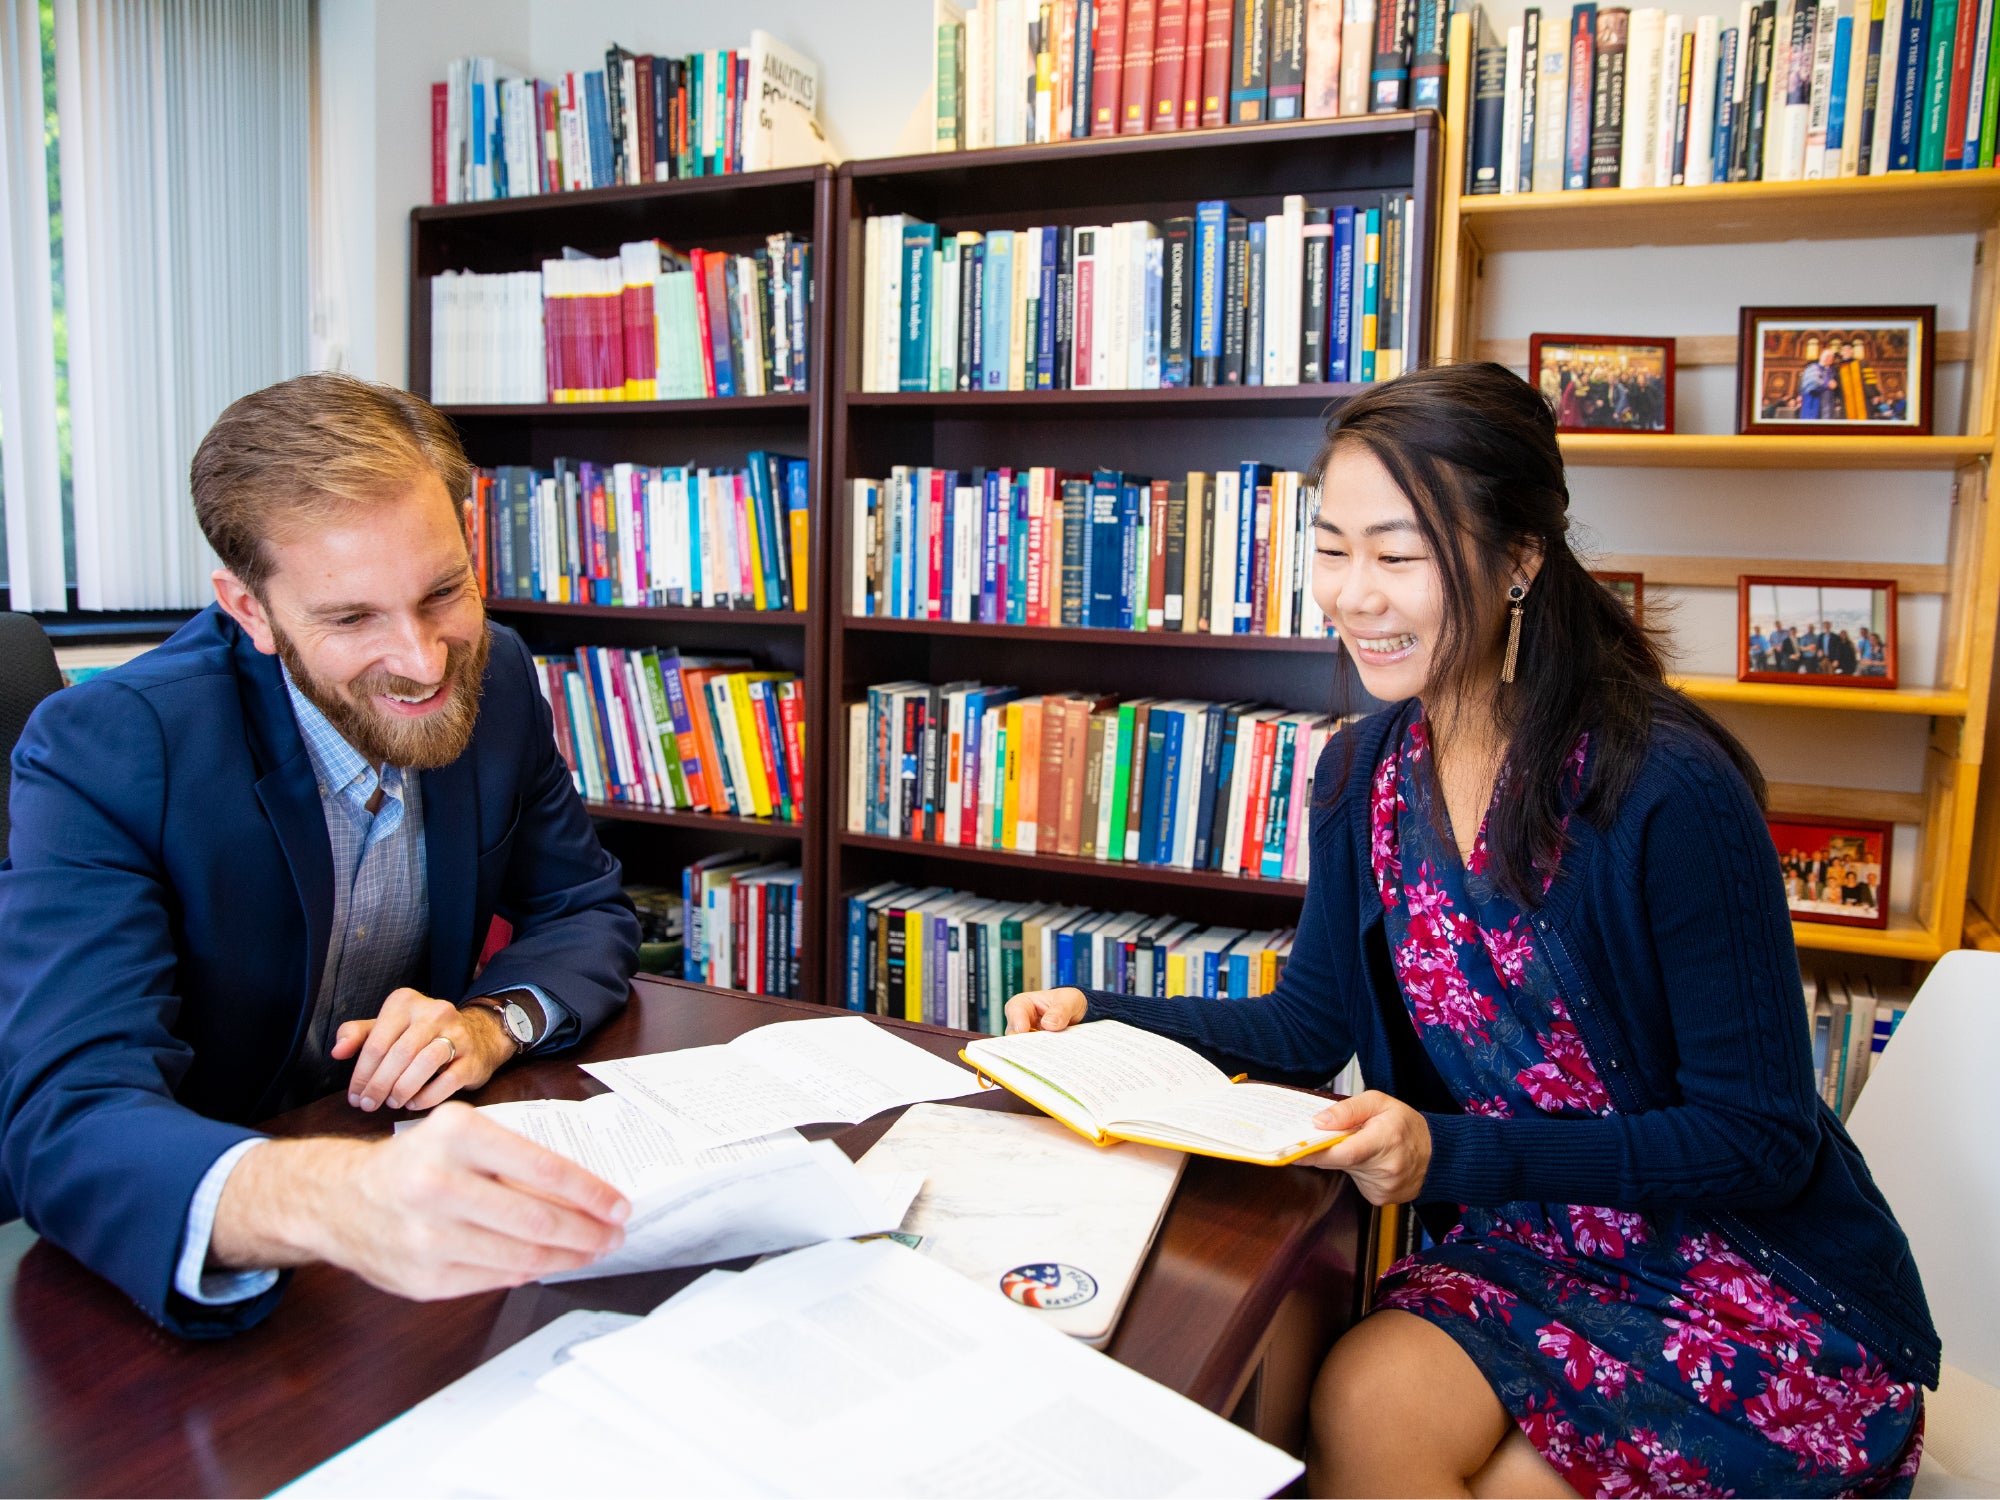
518,1022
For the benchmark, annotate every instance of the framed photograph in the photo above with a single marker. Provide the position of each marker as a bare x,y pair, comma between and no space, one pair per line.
1835,371
1835,632
1604,382
1834,871
1630,589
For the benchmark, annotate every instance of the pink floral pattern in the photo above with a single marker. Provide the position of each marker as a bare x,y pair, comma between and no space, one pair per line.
1642,1354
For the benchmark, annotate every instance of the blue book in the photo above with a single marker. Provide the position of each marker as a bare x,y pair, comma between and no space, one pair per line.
1253,476
1156,759
1066,956
1725,106
893,522
1221,719
1106,551
478,136
1340,298
989,545
919,244
1906,125
1171,771
1371,286
1017,551
999,294
1278,808
1836,97
1131,505
1253,299
598,127
1045,318
972,308
1211,221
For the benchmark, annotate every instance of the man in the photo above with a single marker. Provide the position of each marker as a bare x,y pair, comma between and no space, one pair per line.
257,865
1819,393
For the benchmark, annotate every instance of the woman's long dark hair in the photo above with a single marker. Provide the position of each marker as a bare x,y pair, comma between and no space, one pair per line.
1474,448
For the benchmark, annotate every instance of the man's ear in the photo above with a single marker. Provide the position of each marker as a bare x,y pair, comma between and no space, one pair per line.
246,609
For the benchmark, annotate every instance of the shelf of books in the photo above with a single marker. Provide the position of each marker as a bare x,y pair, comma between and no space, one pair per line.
640,376
1727,160
1076,681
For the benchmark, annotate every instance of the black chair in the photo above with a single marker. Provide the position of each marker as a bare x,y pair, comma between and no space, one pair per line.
28,674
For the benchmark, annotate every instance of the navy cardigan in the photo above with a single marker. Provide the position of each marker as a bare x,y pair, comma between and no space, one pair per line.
1669,933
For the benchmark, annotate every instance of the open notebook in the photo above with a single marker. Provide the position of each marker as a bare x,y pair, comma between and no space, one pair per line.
1113,1082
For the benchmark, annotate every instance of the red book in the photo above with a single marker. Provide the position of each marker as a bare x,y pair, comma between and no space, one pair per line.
1215,63
1136,87
1261,745
1169,63
641,343
1192,32
789,723
934,587
695,262
1107,66
1961,83
440,127
642,77
732,160
1156,567
1037,610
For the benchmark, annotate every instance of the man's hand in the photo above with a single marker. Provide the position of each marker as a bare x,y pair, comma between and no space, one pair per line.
1046,1010
451,1206
419,1052
1387,1150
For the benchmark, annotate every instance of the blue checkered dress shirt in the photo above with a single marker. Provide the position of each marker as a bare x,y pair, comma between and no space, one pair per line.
381,926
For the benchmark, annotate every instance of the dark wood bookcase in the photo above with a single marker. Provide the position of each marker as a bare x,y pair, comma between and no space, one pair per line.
722,213
1332,162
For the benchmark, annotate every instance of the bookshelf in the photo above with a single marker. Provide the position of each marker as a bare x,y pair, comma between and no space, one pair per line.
1967,579
722,213
1161,432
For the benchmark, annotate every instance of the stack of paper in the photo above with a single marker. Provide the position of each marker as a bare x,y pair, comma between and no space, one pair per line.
840,1370
841,1069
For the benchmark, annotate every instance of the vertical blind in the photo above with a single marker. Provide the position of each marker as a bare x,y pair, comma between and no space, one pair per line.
184,146
30,460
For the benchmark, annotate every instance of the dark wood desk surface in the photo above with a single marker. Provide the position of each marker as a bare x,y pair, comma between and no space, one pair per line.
96,1400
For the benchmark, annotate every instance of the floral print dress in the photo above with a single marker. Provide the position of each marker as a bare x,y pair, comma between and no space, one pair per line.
1640,1353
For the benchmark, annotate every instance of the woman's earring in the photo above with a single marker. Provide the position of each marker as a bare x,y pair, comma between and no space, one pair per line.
1515,596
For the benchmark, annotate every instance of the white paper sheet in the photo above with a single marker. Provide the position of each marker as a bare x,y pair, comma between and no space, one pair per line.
396,1458
797,1195
818,1373
614,1139
842,1069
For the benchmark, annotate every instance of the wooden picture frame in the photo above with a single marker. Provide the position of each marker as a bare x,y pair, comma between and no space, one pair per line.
1820,631
1881,358
1826,862
1618,582
1581,411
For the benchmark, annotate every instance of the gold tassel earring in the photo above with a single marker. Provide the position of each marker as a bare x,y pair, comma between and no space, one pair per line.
1515,596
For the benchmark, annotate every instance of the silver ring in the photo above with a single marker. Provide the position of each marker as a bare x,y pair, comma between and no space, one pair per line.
451,1044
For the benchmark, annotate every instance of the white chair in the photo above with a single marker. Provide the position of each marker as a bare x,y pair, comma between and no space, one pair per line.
1929,1123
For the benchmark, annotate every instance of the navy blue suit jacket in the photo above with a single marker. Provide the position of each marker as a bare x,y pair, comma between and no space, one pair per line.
165,916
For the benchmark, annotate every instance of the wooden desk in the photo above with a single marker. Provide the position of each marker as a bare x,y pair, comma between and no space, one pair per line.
1252,1275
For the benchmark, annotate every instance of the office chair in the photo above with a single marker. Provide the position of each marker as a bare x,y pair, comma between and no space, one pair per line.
1927,1122
28,674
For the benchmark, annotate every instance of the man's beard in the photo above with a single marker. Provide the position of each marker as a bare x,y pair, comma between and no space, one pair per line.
421,744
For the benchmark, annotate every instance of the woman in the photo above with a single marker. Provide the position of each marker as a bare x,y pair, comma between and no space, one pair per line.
1545,912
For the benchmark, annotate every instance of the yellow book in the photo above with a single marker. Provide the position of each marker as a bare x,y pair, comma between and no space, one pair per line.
913,965
1010,802
1267,971
800,552
1176,974
745,720
744,500
1111,1082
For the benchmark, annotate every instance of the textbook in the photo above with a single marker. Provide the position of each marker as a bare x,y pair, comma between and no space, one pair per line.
1112,1082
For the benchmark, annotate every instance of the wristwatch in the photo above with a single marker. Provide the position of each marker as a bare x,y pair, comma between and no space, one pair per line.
521,1015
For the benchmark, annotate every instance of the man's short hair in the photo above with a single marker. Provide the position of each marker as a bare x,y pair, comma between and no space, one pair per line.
284,457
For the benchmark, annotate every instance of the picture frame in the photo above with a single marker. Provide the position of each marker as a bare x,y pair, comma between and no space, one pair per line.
1604,382
1836,870
1630,589
1799,370
1824,632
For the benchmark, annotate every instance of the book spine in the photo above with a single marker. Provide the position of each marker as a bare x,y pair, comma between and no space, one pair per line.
1608,99
1288,60
1489,116
1135,78
1937,85
1170,53
1215,60
1389,78
1107,66
1250,62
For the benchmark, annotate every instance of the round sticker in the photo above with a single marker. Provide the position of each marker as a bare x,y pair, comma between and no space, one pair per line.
1050,1286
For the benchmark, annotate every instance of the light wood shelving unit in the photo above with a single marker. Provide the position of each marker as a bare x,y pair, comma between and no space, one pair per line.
1956,883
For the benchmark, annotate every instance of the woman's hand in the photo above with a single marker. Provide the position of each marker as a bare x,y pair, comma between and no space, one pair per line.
1045,1010
1387,1150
